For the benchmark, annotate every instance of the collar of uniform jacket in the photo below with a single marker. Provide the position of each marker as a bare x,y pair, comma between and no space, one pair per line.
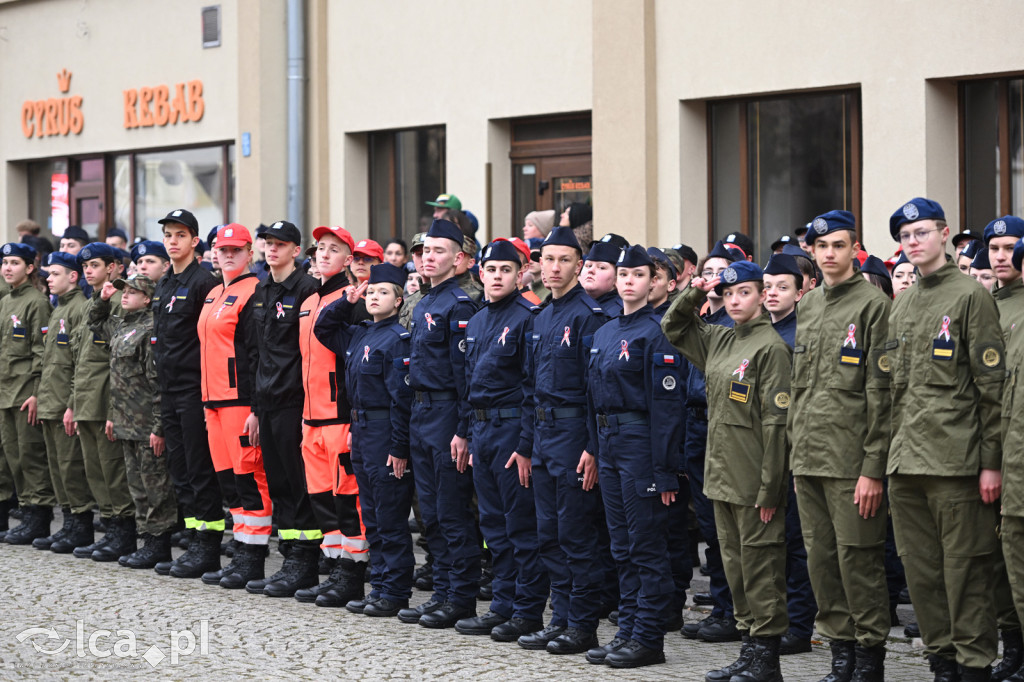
289,283
1000,292
186,275
569,295
748,328
338,281
941,275
842,288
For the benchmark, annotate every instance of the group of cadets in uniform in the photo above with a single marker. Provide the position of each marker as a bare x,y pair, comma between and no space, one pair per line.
569,437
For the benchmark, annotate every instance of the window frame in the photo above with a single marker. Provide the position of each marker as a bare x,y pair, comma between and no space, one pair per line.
1005,179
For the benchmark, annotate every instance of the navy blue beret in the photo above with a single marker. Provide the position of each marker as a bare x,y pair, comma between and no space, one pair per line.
149,248
633,257
501,249
117,232
796,252
783,264
912,211
901,260
981,261
1007,226
739,272
22,251
722,251
1018,255
386,272
874,265
76,232
212,237
826,223
605,252
615,240
971,250
562,236
659,257
445,229
65,260
98,250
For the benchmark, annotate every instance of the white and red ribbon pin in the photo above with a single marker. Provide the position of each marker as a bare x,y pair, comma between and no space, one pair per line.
501,339
430,320
624,350
280,310
851,340
170,306
17,322
366,353
742,369
945,328
62,330
565,338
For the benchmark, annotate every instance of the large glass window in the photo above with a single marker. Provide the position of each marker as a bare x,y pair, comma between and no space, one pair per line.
778,162
185,178
407,169
992,150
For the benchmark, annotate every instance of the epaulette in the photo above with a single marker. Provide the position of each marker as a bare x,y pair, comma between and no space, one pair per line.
529,305
460,295
400,331
591,303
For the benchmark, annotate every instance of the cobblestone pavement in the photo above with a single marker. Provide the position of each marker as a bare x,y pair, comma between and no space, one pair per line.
55,605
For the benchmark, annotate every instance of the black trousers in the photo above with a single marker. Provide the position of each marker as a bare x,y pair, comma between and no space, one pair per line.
281,441
188,456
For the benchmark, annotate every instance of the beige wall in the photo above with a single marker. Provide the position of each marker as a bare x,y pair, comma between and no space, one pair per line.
112,46
460,64
891,50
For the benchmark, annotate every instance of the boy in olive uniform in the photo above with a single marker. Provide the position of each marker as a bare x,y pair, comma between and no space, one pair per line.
87,413
134,420
747,370
841,378
998,242
945,352
1013,477
23,317
64,452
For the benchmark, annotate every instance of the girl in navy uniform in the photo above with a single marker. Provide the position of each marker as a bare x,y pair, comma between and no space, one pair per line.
634,382
377,380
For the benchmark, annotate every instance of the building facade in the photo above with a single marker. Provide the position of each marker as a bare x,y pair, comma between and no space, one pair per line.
679,120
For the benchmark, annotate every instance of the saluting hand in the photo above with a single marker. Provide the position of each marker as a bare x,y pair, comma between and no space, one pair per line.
355,293
525,466
705,285
107,291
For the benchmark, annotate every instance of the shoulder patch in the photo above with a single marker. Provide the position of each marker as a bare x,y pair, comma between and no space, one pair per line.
461,295
883,363
781,400
529,305
990,357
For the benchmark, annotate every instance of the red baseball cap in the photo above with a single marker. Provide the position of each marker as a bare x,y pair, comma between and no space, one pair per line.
339,232
521,246
368,247
233,234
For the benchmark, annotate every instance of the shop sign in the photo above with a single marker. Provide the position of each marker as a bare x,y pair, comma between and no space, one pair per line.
55,115
152,106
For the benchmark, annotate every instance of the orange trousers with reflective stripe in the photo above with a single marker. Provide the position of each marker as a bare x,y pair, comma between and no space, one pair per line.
252,520
333,491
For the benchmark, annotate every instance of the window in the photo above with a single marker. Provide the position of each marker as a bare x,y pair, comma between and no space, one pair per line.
991,150
407,169
776,163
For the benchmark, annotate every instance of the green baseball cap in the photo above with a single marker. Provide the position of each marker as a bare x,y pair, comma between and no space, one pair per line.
446,201
417,241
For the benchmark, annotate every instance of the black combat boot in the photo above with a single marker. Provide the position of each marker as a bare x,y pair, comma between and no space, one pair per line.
975,674
80,534
35,524
256,585
6,507
85,551
870,664
47,542
300,570
843,661
248,565
124,543
308,595
349,585
185,540
944,669
739,665
157,548
213,577
205,558
764,662
1013,655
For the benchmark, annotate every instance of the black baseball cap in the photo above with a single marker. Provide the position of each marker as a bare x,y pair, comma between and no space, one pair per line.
282,230
183,217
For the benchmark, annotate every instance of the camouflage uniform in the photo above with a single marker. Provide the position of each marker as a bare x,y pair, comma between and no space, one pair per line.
409,305
472,287
135,412
64,452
